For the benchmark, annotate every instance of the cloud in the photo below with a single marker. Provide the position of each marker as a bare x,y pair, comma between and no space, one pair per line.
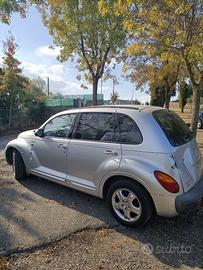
58,69
58,75
46,51
72,88
55,72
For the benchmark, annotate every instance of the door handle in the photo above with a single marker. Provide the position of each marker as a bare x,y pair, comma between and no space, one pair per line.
110,152
61,145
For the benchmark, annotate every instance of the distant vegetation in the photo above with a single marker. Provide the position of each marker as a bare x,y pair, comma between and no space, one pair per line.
158,42
21,99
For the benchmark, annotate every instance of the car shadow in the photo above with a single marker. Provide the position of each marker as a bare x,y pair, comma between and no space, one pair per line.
174,241
10,207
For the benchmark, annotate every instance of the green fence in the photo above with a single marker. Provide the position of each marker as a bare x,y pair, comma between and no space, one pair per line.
52,102
73,100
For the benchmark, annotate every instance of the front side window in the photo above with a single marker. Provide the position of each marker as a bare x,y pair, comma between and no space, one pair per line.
96,127
129,131
59,126
173,126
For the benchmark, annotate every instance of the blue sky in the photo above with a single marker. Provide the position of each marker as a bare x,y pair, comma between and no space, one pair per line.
38,60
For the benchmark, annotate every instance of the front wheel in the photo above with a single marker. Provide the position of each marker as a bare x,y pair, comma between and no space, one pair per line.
129,203
18,165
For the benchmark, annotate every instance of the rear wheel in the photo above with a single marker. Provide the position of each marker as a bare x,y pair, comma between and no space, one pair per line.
18,165
129,203
199,123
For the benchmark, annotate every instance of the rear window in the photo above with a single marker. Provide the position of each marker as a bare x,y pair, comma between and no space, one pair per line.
173,126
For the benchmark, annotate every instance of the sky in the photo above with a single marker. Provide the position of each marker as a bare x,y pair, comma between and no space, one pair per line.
38,60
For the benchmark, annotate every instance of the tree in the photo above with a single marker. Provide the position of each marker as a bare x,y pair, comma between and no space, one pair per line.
173,31
39,85
11,78
33,105
185,92
82,33
152,76
7,7
114,97
157,93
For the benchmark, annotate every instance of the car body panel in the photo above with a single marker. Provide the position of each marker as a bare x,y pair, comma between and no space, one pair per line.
188,159
48,156
88,161
22,146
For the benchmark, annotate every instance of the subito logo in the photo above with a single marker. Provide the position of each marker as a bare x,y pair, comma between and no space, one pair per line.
147,248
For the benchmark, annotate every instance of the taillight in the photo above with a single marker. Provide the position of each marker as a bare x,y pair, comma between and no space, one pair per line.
167,181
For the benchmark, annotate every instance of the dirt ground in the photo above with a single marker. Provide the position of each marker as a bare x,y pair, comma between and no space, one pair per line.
162,244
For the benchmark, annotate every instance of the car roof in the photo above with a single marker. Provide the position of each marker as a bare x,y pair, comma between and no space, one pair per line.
99,108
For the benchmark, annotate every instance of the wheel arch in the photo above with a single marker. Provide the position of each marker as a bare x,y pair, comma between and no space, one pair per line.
9,154
115,178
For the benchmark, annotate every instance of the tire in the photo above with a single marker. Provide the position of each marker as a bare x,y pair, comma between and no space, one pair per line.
134,198
18,165
199,123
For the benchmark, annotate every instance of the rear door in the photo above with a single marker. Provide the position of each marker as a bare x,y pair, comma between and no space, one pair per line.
93,150
185,148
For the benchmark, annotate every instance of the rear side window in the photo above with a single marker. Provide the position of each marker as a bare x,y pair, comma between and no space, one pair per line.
96,127
174,127
129,131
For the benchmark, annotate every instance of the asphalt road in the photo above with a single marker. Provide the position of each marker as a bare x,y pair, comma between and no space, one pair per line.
35,211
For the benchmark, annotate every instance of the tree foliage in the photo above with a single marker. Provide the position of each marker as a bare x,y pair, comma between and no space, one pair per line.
18,95
170,30
38,85
185,92
82,33
12,80
114,97
7,7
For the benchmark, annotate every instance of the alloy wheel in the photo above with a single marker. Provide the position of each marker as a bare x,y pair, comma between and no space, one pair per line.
126,204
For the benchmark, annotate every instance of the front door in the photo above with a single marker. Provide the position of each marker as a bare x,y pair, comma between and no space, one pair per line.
93,150
48,153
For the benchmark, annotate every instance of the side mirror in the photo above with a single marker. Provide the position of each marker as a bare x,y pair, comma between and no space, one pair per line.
39,132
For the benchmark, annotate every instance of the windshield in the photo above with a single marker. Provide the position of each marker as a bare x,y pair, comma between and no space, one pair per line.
173,126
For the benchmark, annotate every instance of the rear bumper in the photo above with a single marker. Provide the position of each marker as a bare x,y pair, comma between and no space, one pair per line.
191,199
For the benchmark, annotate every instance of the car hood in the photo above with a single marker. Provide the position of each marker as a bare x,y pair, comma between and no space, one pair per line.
27,134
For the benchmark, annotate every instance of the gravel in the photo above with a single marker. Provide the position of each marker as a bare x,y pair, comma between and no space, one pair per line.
163,243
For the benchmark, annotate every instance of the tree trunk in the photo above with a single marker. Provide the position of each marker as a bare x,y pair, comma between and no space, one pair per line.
196,89
95,87
195,108
167,99
181,105
167,103
10,112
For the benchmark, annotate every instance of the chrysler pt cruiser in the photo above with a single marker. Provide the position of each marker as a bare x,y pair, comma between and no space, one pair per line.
141,159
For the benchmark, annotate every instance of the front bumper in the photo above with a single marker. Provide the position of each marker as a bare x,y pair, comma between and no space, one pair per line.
191,199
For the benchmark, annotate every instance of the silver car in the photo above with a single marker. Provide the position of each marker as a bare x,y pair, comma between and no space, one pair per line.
142,159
